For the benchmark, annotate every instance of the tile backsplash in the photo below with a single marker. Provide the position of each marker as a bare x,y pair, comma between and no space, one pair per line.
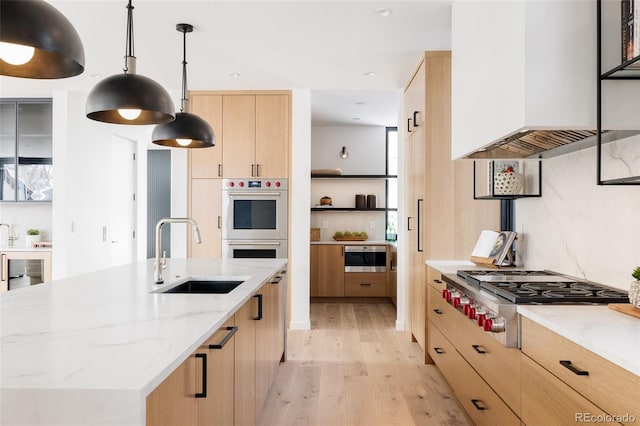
578,227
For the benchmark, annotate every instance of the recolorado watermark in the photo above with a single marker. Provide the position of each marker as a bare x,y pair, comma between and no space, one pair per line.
604,418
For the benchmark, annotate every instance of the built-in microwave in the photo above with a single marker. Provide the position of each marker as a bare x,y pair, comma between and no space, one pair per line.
254,209
365,258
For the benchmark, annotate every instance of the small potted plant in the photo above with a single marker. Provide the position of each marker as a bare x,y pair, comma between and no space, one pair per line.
634,288
33,236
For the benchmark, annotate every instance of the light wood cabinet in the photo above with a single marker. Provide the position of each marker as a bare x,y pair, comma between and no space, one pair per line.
216,408
610,387
207,162
279,321
245,364
327,270
365,284
547,400
256,131
264,338
173,402
205,207
443,219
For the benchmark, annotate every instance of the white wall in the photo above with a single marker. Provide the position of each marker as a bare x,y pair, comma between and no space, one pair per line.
580,228
25,215
299,189
366,146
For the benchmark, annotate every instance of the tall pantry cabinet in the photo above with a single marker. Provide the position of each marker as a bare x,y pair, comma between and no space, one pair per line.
252,131
443,220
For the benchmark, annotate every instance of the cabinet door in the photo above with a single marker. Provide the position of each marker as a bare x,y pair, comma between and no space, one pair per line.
239,130
206,209
272,136
327,270
173,402
264,340
245,365
207,162
278,299
217,407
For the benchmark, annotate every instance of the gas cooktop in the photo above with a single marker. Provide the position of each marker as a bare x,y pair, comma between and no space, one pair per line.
542,287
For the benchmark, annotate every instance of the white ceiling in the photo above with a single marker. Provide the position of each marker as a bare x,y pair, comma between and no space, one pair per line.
325,46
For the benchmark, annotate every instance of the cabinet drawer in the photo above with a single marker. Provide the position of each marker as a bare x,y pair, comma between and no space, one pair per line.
546,400
444,316
614,389
365,284
434,278
481,403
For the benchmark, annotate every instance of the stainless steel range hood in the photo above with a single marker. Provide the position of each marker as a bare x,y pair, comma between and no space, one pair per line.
547,143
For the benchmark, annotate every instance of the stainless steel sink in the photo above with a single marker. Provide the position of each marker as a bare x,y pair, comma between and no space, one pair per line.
204,286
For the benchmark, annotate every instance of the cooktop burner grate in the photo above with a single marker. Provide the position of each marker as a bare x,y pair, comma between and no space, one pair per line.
556,292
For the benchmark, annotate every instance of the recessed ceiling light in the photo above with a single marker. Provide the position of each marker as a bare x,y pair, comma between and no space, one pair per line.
356,118
234,74
360,103
384,12
96,75
369,74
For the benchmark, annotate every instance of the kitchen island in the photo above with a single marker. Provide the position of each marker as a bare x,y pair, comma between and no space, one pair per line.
89,349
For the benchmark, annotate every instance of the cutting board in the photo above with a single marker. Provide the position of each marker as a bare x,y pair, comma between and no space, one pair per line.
625,308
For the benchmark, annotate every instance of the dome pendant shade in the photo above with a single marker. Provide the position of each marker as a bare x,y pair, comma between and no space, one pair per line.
58,49
185,126
129,91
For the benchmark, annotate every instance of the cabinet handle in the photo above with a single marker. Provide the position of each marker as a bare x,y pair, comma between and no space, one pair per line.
437,311
342,251
283,272
4,267
276,280
253,168
476,403
418,236
219,222
203,394
257,170
259,317
574,370
365,284
477,349
437,281
231,331
219,170
415,119
409,223
439,351
408,125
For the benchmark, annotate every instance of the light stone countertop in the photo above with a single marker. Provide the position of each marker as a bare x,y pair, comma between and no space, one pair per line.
612,335
89,349
356,243
24,248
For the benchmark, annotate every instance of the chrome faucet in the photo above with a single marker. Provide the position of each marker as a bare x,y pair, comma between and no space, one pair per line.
160,260
10,237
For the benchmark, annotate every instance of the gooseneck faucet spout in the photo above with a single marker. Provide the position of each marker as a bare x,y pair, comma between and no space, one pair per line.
159,264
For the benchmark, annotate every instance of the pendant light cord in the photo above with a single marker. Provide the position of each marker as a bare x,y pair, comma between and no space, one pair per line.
129,53
184,99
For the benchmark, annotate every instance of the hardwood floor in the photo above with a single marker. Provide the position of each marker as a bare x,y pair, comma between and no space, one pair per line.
354,368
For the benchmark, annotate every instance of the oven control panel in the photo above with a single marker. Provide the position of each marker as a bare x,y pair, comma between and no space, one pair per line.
484,317
255,184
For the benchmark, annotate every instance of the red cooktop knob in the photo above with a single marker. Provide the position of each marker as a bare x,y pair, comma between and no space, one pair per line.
241,184
481,319
455,302
277,184
445,293
488,325
465,310
268,184
472,313
231,184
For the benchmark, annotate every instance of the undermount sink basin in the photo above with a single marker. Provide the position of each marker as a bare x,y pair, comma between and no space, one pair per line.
204,286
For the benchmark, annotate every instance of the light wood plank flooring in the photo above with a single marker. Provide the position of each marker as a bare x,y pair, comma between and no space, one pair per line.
354,368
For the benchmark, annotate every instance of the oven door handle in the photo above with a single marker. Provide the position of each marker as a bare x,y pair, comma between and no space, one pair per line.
253,194
253,243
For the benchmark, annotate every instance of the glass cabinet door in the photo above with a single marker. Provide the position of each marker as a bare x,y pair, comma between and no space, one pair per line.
8,151
26,150
35,165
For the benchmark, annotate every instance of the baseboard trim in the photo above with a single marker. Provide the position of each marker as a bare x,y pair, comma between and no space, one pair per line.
300,325
399,325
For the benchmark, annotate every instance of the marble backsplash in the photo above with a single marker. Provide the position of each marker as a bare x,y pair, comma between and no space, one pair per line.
578,227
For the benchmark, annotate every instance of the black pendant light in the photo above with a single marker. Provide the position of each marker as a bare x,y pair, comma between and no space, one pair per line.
130,98
187,130
37,41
